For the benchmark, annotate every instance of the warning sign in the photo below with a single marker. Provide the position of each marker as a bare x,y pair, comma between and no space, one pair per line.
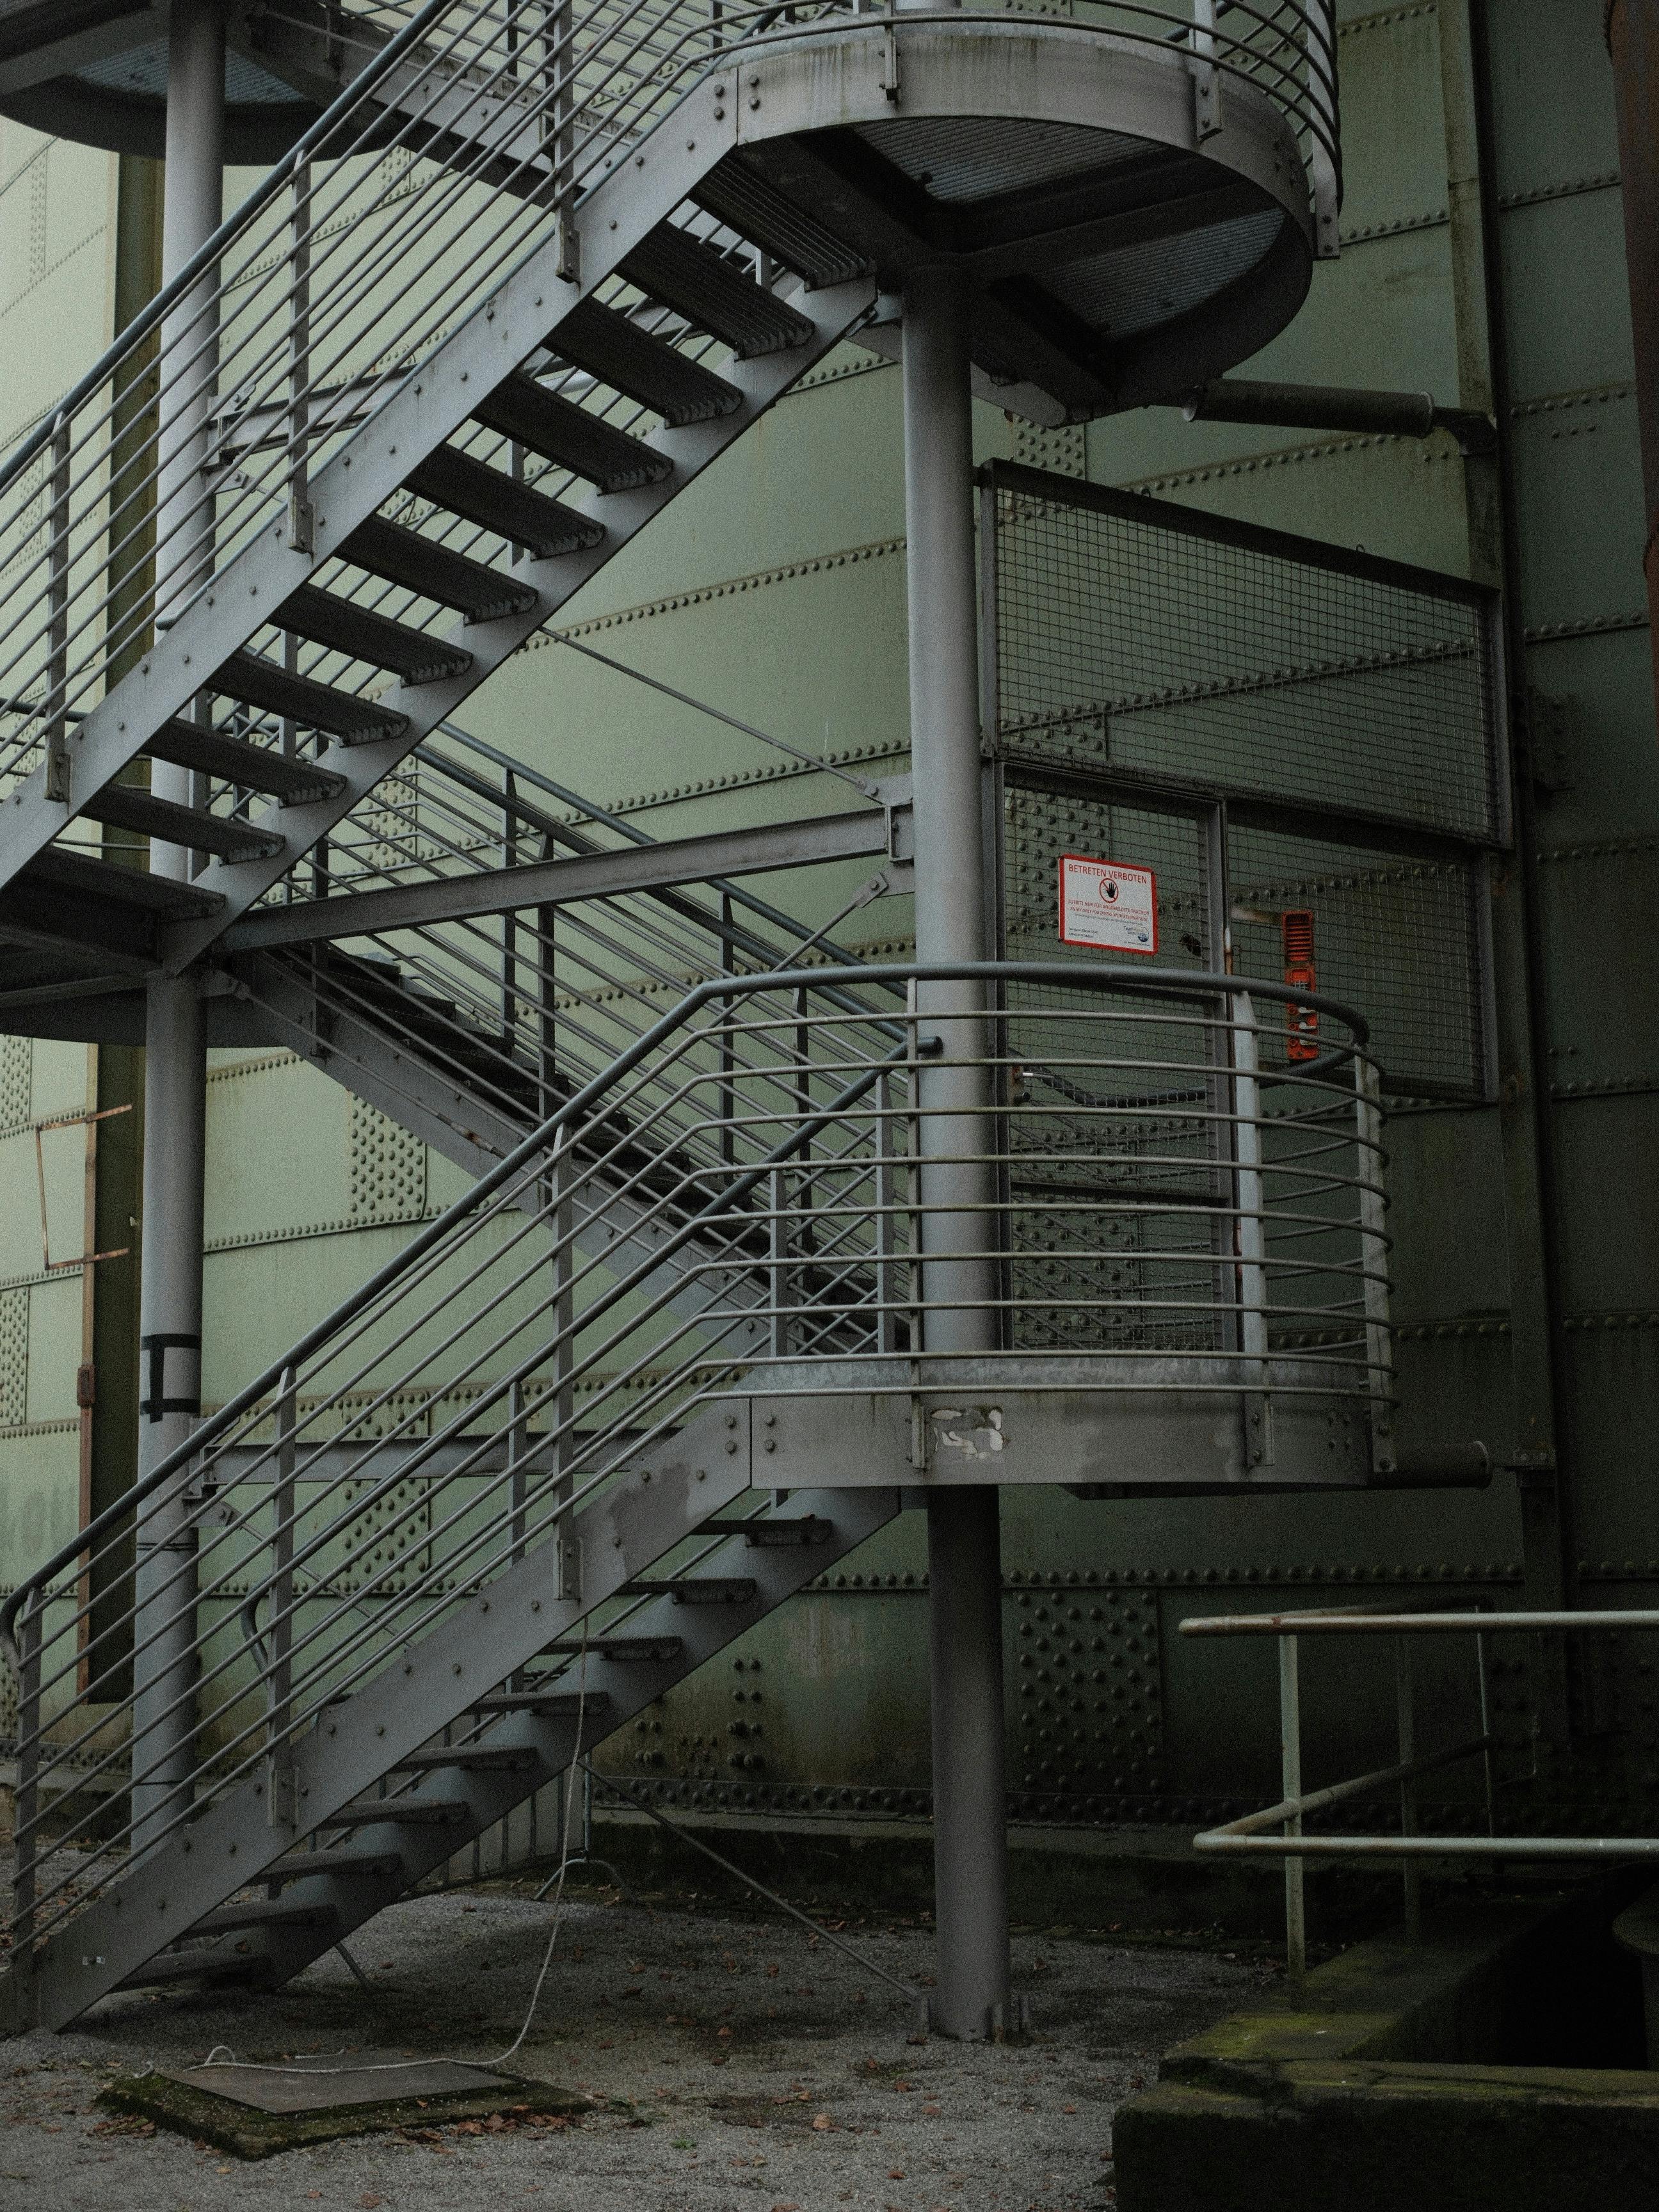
1109,905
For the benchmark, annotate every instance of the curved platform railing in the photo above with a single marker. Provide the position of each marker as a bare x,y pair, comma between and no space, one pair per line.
1174,1195
468,128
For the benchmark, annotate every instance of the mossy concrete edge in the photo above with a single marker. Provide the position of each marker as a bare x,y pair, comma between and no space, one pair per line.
1362,2084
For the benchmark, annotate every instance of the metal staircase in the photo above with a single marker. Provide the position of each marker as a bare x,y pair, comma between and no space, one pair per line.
841,1228
482,1514
405,409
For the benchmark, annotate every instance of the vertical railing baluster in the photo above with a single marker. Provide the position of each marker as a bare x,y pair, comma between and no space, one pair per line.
57,586
1405,1708
301,521
1250,1239
1289,1732
1374,1260
1206,85
778,1261
727,1093
27,1801
1320,63
886,1182
562,44
564,1353
281,1801
510,920
518,1472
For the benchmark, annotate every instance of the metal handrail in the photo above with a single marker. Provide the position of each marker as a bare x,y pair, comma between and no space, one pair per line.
683,1263
1249,1833
1196,986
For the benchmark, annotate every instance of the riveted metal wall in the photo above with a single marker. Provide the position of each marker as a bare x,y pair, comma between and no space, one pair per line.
775,589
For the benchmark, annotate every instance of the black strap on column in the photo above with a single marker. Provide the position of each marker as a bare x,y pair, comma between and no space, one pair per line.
153,1352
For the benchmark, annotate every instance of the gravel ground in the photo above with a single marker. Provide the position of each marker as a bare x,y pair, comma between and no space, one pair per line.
737,2066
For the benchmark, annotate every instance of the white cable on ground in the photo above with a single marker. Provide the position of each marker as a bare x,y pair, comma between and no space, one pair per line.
404,2065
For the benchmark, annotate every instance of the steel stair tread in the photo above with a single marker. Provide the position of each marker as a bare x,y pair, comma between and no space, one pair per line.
130,806
397,556
412,1812
289,780
265,1912
559,430
614,349
516,512
809,1530
324,618
622,1648
546,1705
107,880
337,1859
261,683
698,1589
470,1759
713,292
187,1966
753,206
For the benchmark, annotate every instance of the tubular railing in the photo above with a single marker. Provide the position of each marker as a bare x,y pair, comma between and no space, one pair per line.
515,1359
520,1008
468,130
1251,1834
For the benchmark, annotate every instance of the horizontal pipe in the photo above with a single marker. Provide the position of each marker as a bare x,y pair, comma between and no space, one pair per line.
1339,1793
1433,1847
1316,1622
1462,1467
1336,407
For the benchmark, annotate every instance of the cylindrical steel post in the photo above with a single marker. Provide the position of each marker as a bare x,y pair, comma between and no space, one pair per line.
957,1182
170,1356
1633,41
175,1058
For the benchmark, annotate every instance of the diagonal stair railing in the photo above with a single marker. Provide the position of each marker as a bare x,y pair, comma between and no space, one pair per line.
470,1029
479,1468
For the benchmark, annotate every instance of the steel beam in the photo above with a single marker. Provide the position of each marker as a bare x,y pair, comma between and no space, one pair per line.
1633,28
863,833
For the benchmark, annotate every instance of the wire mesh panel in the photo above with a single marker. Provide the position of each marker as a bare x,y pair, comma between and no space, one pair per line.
1146,658
1149,639
1399,936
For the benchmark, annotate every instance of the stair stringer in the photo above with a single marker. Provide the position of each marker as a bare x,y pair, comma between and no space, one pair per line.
431,403
472,1646
626,1231
629,1687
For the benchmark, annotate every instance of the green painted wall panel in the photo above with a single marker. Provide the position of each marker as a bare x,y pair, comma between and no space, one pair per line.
1608,1165
1601,919
1604,776
820,649
1392,495
1578,479
54,272
1393,158
39,1479
1564,273
1551,93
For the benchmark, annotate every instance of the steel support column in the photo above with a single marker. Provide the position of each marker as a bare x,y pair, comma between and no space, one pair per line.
1632,27
957,1186
175,1036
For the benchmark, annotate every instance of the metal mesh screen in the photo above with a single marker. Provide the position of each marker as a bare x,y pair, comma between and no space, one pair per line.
1138,643
1154,640
1399,938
